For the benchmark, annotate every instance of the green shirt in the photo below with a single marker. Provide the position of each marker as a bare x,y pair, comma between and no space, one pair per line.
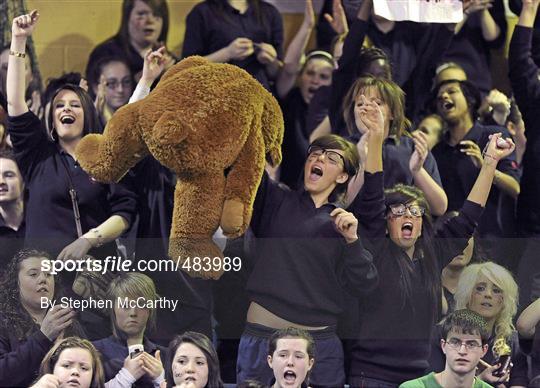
429,381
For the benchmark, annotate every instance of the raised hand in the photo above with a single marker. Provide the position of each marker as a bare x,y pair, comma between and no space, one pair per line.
154,64
338,19
471,6
56,320
494,149
23,26
346,224
309,14
418,157
370,116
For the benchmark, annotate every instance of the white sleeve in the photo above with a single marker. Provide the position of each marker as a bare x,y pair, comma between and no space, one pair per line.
140,92
123,379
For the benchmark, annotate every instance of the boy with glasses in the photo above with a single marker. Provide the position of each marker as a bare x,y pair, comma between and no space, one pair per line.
464,343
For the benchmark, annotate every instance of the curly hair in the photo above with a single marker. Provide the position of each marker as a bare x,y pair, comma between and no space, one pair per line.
502,278
14,315
52,356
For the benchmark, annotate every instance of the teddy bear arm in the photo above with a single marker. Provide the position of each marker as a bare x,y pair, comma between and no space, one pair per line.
241,186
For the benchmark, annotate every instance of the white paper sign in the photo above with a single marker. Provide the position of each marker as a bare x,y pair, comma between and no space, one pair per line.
422,11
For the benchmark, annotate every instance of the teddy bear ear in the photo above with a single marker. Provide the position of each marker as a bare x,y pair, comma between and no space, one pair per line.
184,64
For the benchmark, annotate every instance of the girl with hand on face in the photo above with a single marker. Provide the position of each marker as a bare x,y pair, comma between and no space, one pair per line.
28,327
192,362
51,171
72,362
397,318
123,367
406,159
246,33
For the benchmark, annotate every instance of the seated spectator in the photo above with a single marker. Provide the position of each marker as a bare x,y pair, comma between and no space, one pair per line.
144,26
28,328
396,320
245,33
192,361
111,84
72,362
433,127
406,159
482,29
291,355
490,290
129,325
305,227
11,208
464,342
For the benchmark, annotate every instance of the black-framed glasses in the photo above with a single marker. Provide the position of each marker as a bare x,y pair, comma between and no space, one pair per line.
315,152
400,209
456,343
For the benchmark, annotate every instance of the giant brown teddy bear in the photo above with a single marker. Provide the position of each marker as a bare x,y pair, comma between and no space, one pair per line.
213,125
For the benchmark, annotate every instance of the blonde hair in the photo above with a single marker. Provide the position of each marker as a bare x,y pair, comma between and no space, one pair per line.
502,278
132,285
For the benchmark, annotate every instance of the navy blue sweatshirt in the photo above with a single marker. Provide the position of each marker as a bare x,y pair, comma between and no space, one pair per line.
393,341
50,223
303,264
526,87
20,358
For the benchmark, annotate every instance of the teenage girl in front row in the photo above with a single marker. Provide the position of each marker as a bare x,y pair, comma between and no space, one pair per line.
396,319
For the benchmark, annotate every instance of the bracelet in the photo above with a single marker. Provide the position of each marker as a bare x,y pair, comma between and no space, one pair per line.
96,236
17,54
485,155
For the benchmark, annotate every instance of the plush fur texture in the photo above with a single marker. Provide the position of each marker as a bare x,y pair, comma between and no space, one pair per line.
212,124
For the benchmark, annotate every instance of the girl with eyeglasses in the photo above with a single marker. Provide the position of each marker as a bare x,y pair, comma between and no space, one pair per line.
396,319
308,255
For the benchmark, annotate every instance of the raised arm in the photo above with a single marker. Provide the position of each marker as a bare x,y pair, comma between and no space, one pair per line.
481,188
293,56
369,206
523,71
21,28
154,64
435,195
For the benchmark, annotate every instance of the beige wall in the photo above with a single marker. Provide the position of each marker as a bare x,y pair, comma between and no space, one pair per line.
69,29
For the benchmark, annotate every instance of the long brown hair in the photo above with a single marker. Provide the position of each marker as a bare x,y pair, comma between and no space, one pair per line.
52,356
390,93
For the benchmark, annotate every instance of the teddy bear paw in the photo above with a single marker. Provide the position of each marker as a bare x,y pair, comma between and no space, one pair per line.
232,218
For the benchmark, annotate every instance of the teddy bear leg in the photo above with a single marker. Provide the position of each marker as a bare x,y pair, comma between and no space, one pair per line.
241,187
197,210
